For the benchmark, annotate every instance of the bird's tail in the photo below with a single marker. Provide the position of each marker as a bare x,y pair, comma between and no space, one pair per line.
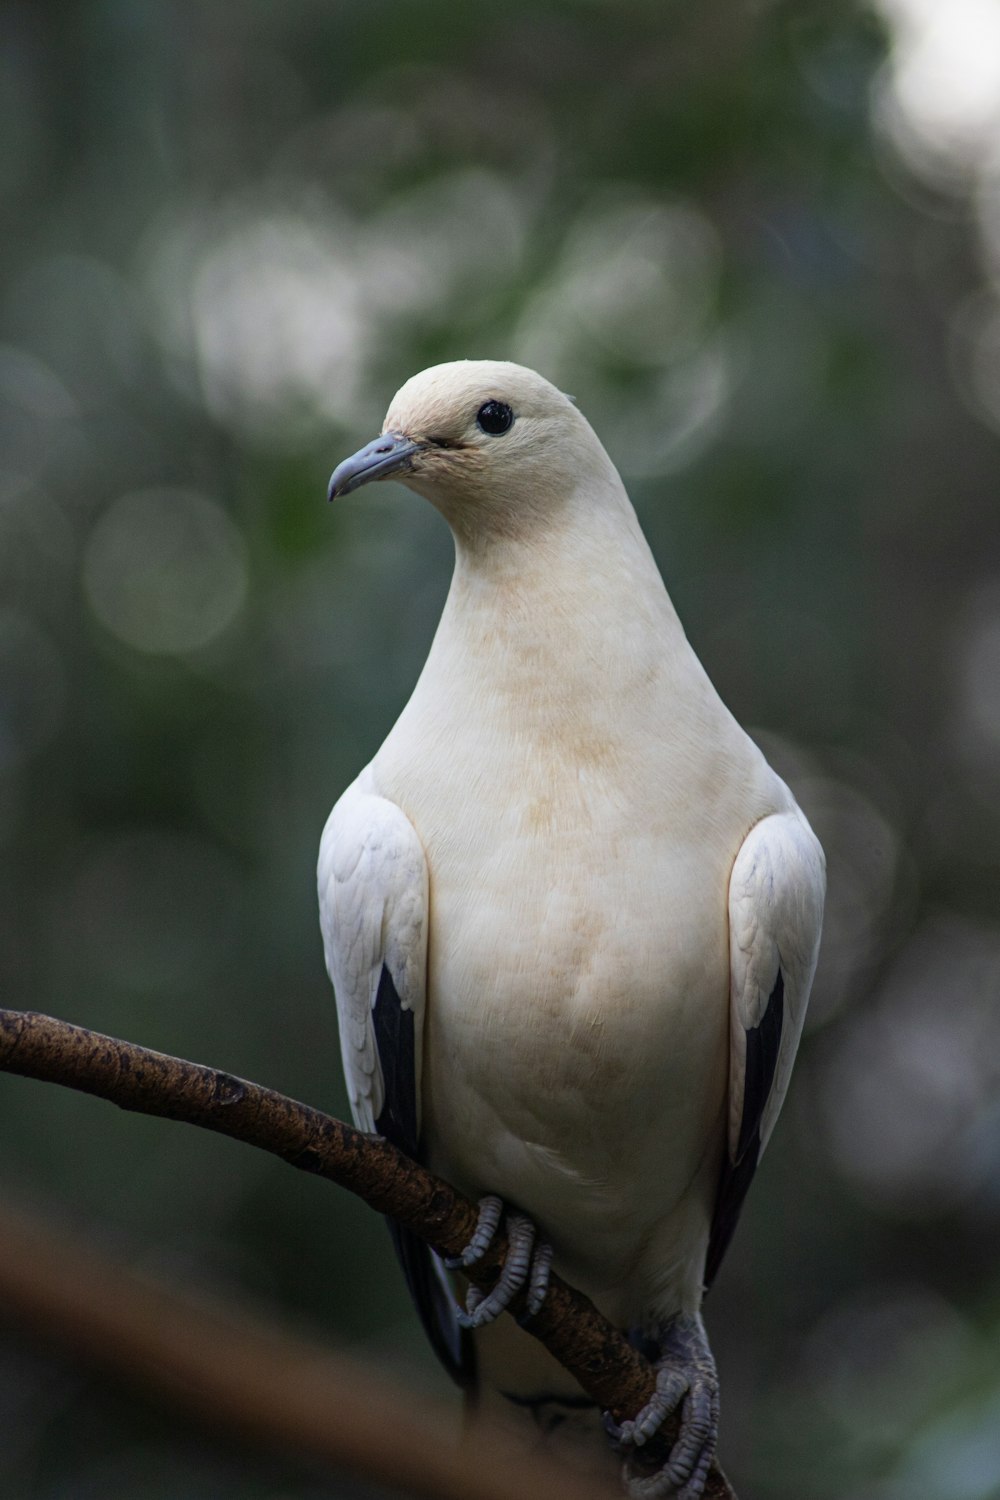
520,1386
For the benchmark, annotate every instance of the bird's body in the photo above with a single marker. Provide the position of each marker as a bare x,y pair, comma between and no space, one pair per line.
596,941
580,797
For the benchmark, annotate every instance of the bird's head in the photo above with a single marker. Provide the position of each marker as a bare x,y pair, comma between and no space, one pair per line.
493,445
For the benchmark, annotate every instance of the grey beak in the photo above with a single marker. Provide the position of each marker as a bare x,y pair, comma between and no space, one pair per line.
392,453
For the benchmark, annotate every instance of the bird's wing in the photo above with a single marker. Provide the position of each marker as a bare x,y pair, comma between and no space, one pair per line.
776,896
373,901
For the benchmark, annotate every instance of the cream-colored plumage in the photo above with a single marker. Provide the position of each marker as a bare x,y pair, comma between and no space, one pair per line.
614,870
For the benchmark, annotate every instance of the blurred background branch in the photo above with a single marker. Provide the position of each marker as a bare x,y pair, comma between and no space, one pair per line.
234,1371
759,240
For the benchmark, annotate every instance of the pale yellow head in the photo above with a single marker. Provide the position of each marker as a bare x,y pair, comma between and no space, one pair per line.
497,448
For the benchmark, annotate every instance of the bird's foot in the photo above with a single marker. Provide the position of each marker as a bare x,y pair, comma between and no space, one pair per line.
526,1267
685,1381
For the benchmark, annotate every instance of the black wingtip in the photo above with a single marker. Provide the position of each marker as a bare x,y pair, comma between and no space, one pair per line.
763,1046
395,1043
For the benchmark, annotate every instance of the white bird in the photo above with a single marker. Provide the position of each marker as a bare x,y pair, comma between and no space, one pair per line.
570,913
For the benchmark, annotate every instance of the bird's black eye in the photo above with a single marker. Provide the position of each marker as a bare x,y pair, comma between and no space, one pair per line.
494,417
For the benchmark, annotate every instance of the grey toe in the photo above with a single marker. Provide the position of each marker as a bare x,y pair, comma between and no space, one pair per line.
490,1213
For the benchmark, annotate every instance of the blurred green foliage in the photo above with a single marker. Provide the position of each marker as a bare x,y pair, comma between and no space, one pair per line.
230,232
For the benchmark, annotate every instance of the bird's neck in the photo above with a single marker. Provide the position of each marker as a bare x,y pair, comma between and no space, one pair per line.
577,598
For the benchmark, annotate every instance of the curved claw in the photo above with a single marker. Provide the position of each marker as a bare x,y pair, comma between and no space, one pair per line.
480,1309
490,1211
527,1264
538,1285
685,1378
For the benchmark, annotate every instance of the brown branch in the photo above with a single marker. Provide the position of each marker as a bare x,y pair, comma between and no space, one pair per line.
581,1339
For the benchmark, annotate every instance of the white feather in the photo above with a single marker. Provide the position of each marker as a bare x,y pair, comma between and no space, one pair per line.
372,879
775,915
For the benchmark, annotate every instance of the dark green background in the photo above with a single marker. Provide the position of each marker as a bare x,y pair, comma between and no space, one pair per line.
230,231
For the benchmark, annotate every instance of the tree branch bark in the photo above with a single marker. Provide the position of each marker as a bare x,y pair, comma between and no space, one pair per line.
136,1078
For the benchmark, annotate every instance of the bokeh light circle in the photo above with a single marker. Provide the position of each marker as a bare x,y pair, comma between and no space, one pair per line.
165,570
32,688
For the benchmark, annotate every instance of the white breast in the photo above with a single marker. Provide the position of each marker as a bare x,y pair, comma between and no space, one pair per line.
580,809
